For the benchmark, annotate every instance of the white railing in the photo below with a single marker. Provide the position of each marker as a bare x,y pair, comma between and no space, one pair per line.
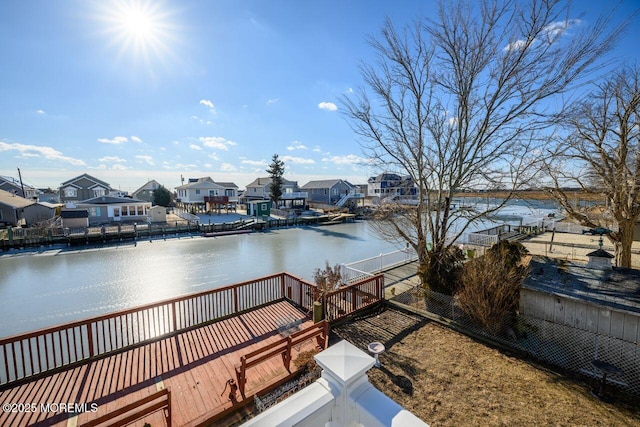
481,239
294,195
346,197
358,270
343,396
186,215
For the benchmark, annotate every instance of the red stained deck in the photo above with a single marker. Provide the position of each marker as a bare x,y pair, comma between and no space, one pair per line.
195,365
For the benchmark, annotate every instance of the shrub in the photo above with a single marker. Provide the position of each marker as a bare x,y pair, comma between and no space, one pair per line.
305,361
328,279
490,285
442,270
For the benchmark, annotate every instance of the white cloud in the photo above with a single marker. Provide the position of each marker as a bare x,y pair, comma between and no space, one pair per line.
558,28
550,34
255,162
209,105
516,45
296,145
272,101
115,159
40,151
349,159
216,142
118,166
227,167
195,147
117,140
147,159
329,106
206,103
297,160
40,112
136,139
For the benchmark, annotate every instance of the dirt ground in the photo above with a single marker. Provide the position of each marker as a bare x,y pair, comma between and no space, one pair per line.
448,379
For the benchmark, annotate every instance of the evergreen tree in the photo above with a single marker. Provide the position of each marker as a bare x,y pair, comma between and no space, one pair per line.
276,171
161,196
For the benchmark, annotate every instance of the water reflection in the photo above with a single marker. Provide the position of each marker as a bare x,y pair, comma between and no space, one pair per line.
59,286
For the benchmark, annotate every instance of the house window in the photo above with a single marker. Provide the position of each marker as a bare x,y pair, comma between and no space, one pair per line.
70,192
228,193
116,212
98,192
197,191
95,211
125,212
140,210
334,191
132,210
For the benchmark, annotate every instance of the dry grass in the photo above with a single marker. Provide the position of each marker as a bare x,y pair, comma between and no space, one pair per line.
448,379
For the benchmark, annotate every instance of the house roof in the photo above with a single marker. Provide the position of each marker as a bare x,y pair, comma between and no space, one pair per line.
387,176
227,184
13,200
262,182
618,288
326,183
201,184
109,200
15,182
87,176
148,186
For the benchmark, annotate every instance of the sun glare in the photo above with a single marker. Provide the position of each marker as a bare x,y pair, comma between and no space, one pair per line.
137,24
139,29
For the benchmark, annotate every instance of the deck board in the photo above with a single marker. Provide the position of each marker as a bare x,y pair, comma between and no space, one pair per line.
195,364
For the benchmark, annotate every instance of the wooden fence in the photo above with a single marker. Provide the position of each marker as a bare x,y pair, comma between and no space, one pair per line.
55,348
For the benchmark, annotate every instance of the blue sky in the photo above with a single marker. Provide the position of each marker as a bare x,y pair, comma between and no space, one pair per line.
191,88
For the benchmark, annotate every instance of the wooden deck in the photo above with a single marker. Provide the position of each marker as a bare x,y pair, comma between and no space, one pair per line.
195,365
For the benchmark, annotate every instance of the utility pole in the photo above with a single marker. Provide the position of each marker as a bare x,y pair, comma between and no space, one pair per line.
21,184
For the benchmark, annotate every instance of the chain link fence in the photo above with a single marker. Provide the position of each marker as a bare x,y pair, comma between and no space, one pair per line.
567,347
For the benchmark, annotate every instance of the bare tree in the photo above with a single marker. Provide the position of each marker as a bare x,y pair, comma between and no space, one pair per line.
459,102
601,154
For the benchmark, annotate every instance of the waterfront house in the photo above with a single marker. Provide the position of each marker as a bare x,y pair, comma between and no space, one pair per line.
328,191
18,211
292,197
204,194
83,187
391,185
106,209
146,191
12,185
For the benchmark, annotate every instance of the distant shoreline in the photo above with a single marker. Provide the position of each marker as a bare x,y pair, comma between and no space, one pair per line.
533,195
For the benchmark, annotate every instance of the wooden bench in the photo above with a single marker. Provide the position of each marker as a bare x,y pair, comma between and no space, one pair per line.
282,347
158,401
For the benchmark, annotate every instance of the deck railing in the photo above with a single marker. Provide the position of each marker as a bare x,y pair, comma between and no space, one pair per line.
365,268
349,299
26,355
51,349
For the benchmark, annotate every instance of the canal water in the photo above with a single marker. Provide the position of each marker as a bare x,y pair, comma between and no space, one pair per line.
43,289
50,287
